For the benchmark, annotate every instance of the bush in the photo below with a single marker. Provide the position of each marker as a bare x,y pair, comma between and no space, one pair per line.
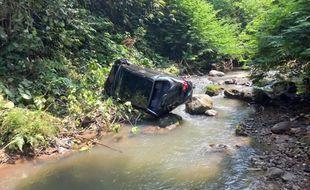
21,128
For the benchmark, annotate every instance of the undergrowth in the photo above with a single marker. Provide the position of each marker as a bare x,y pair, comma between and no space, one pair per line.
22,129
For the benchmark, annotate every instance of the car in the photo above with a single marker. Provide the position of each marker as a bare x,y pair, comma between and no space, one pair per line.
152,91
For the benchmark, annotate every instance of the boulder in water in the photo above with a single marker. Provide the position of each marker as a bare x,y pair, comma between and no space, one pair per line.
245,95
215,73
199,104
170,119
230,81
232,93
213,89
163,125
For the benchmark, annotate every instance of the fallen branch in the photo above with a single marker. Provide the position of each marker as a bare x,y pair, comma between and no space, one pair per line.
99,143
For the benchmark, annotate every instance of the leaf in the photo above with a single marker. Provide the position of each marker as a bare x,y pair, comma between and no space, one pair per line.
25,96
8,93
135,130
19,141
3,35
128,103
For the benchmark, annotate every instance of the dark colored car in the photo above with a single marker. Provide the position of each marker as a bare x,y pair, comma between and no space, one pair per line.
149,90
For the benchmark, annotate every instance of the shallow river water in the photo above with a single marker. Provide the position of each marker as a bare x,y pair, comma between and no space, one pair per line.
180,159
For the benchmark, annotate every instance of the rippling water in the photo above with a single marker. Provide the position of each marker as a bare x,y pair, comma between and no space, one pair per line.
180,159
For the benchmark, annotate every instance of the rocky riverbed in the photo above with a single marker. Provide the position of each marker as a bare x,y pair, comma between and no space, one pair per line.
281,133
282,143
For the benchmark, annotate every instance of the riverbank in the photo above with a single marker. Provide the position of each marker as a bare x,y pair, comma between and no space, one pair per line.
282,143
280,161
66,143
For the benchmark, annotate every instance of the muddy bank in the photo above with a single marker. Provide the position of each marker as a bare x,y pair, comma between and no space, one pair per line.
282,143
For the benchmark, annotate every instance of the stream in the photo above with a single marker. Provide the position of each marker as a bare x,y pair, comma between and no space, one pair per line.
180,159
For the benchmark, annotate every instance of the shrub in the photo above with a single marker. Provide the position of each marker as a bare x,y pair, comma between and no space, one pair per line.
21,128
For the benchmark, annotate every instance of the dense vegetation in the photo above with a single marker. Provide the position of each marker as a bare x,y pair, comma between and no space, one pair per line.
55,55
281,36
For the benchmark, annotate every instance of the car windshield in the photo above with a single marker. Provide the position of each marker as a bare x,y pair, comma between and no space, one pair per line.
133,87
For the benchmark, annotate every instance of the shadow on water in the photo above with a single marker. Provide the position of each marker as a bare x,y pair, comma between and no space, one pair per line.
184,158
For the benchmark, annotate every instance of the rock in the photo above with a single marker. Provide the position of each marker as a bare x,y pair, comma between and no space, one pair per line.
305,139
281,139
232,93
248,83
170,119
230,81
150,130
156,130
307,169
288,176
63,142
212,93
308,130
216,148
279,90
240,131
254,169
296,131
247,95
199,104
211,112
284,87
220,146
215,73
62,150
260,96
273,173
213,89
240,95
225,65
163,125
281,127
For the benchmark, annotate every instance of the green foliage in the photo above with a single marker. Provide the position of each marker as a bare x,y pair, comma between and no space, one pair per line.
55,55
189,31
245,67
278,36
172,69
212,89
20,128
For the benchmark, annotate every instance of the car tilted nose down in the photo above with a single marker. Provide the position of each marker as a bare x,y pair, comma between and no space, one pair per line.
152,91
